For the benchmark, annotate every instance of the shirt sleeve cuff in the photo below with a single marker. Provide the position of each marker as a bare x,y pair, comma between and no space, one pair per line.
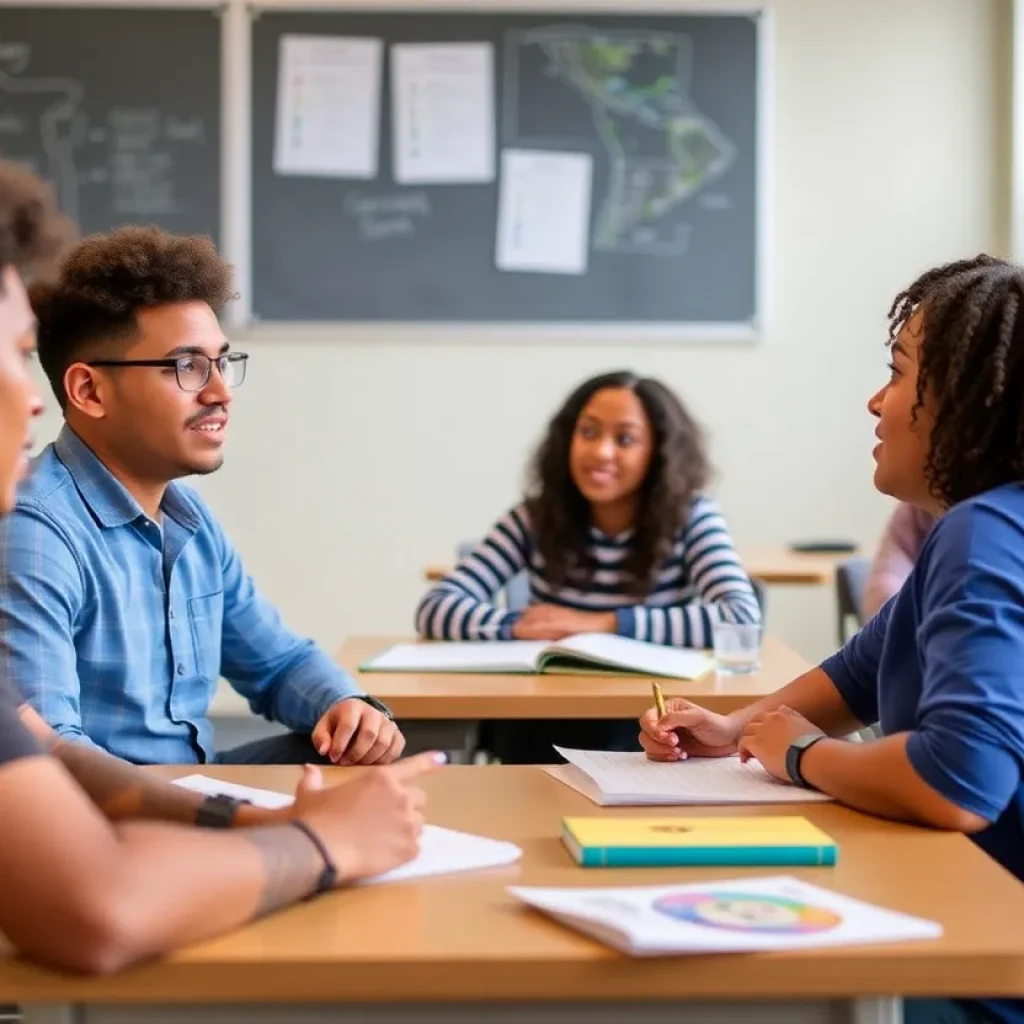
625,621
859,702
507,625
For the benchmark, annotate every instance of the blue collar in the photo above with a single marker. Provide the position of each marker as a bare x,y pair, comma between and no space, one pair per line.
105,495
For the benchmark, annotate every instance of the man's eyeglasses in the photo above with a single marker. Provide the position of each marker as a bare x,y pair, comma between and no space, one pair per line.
192,371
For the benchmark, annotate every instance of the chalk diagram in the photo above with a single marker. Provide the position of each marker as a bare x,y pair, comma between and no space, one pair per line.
662,150
61,125
131,153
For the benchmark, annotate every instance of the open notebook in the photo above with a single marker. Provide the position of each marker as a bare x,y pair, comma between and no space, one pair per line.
741,915
612,778
442,850
585,653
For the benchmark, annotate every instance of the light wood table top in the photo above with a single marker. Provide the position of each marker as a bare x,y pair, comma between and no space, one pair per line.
463,937
774,565
457,695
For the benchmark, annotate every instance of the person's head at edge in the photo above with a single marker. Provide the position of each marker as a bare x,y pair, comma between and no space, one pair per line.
31,235
621,453
122,300
951,416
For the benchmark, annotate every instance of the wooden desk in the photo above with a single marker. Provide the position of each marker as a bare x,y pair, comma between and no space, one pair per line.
463,696
776,565
400,952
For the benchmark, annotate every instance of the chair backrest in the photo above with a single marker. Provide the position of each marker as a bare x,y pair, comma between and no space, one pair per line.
851,578
515,593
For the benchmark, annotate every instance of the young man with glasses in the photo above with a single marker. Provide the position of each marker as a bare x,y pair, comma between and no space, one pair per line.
122,602
102,863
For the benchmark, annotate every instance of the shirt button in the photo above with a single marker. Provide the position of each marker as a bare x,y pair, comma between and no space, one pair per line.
170,614
181,669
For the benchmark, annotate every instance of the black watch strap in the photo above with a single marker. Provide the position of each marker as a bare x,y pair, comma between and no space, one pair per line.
218,811
795,754
376,705
329,876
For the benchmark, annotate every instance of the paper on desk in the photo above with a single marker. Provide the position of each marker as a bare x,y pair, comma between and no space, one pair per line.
328,106
741,915
442,850
544,212
617,777
442,97
215,787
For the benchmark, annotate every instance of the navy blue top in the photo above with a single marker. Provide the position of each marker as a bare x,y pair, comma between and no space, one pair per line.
944,661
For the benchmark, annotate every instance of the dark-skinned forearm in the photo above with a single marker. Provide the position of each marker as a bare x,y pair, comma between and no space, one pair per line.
879,779
124,791
812,695
169,887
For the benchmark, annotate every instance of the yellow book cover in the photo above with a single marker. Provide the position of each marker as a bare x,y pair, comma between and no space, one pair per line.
785,840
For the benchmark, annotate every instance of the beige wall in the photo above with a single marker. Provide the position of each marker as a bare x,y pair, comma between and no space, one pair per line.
353,463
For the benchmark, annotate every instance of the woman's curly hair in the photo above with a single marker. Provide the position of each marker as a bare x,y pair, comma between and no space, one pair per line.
107,279
970,371
560,514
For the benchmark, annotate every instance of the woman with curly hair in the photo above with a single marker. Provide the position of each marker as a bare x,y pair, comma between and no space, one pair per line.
615,536
939,667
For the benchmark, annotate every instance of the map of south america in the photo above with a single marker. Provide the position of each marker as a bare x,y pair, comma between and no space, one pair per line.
662,150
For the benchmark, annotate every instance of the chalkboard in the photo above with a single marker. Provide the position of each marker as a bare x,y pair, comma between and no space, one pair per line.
331,249
118,109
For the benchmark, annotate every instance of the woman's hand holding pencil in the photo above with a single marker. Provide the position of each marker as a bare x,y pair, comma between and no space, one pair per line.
675,729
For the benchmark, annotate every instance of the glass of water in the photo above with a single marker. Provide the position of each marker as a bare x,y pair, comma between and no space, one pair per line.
737,647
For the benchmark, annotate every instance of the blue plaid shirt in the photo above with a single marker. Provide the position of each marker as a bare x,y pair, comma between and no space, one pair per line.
117,629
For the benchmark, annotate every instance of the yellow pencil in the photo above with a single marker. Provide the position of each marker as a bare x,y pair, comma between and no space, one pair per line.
658,699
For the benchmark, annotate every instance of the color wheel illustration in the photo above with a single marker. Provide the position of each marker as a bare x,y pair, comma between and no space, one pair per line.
747,912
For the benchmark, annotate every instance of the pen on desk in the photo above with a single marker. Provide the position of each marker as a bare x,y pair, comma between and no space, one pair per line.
659,700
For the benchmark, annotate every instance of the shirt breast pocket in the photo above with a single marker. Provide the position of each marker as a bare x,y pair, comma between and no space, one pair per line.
206,619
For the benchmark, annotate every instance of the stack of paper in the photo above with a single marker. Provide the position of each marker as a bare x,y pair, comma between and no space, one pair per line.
738,916
621,778
442,850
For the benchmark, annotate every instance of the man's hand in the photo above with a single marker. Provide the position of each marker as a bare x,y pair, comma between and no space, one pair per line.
768,736
352,732
371,824
686,730
552,622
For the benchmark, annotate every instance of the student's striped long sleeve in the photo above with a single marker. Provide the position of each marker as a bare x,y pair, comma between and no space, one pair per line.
701,582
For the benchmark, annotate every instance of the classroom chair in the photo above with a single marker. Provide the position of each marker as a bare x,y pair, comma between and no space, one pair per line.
851,578
516,593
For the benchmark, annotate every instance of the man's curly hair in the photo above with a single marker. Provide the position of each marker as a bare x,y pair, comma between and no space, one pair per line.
32,232
107,279
970,371
560,514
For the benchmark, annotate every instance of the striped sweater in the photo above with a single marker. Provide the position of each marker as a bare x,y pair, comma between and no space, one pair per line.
701,582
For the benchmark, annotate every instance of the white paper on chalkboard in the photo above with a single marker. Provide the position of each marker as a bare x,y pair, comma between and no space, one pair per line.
544,211
328,106
442,97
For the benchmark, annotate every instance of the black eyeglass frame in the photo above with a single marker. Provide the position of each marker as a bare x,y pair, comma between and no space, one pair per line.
222,363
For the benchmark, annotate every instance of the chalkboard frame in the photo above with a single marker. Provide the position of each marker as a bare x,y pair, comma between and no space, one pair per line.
492,331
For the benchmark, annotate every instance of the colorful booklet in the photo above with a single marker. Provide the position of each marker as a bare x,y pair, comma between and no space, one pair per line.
741,915
786,840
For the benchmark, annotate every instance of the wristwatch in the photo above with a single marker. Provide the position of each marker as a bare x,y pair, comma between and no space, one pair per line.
795,753
218,811
376,705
